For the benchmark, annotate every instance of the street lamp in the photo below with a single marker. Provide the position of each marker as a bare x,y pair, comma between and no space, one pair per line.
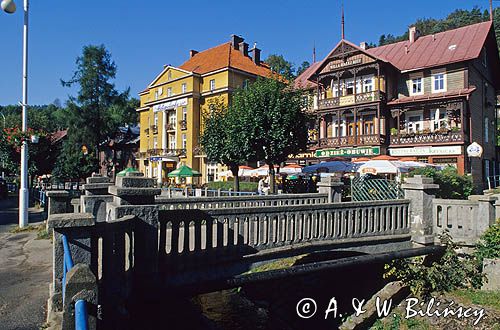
10,7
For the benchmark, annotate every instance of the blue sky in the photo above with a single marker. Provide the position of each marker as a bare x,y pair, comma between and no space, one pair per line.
142,36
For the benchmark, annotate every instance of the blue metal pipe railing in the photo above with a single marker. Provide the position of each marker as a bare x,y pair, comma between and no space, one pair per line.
81,316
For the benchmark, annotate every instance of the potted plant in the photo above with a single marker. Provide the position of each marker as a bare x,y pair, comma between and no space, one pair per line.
394,131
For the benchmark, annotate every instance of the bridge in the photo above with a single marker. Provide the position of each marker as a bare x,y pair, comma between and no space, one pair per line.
128,242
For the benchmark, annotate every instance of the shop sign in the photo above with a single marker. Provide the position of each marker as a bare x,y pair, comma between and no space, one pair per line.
474,150
170,105
426,151
369,170
303,155
348,152
450,160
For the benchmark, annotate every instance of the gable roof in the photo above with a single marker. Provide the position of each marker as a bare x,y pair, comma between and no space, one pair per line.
302,81
224,56
442,48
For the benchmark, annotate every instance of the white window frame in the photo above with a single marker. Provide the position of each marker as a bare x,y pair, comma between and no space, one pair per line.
413,78
155,143
212,84
156,119
335,89
169,91
184,141
342,130
184,113
411,125
172,118
433,82
441,122
172,143
184,88
371,84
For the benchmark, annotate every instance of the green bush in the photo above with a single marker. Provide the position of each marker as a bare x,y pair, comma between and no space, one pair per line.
451,272
451,184
226,185
489,243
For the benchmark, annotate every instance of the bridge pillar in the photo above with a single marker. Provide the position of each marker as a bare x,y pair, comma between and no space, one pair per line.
96,195
58,201
333,187
420,191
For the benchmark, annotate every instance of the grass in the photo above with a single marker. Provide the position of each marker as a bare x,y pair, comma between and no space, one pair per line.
398,322
477,297
226,185
40,229
278,264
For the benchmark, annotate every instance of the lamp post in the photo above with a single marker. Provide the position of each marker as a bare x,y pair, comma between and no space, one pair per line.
10,7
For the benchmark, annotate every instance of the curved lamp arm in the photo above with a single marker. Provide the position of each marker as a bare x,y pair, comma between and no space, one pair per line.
8,6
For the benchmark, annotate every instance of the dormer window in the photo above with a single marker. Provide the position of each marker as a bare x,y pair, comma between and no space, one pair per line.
416,86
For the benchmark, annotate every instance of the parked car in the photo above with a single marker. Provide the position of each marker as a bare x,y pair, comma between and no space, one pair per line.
3,189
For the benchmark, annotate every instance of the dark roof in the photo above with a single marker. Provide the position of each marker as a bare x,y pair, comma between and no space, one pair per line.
57,136
442,48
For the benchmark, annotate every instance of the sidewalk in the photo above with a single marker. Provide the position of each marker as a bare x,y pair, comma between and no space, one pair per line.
25,271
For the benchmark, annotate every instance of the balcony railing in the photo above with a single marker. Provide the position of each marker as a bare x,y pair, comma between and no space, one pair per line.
170,127
183,124
350,99
166,152
345,141
146,130
427,138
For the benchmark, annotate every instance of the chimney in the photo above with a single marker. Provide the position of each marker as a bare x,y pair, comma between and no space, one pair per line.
362,45
255,54
243,48
192,53
235,41
413,34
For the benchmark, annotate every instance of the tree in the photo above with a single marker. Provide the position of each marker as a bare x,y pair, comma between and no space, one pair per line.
276,126
96,112
224,138
279,65
303,67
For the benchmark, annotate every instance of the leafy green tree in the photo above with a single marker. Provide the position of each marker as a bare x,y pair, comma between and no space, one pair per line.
451,184
271,112
224,138
303,67
280,66
95,113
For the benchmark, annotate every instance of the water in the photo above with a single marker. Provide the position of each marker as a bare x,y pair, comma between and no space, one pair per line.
272,305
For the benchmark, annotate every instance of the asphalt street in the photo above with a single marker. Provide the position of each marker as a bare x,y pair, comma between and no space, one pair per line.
25,271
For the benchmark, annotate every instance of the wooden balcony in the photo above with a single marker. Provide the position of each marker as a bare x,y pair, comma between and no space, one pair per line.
341,101
428,138
351,141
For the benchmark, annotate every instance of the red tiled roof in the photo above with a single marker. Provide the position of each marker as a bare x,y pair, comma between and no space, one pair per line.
302,81
442,48
427,97
224,56
57,136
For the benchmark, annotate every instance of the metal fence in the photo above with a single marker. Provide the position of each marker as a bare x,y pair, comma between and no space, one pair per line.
367,189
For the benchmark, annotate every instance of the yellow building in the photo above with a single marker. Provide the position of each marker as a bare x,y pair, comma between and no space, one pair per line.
172,106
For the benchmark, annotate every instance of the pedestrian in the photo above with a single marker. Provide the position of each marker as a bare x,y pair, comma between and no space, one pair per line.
260,186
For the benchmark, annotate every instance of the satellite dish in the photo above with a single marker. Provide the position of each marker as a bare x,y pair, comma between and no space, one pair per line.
8,6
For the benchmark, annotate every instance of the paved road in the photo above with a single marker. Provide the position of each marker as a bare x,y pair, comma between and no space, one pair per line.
25,264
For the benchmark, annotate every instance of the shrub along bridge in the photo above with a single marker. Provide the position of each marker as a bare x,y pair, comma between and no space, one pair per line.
129,244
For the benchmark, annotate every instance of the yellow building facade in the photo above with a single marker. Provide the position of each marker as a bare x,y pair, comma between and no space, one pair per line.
171,107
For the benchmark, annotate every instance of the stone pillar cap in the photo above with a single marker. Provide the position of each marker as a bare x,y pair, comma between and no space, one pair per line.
57,193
